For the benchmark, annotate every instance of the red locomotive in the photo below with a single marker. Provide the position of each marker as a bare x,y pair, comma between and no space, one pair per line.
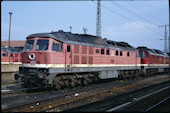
11,55
153,60
64,59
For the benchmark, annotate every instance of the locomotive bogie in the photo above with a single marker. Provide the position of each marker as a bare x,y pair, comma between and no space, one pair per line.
72,80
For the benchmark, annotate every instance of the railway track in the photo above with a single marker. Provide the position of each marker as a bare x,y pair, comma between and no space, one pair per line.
16,91
22,91
142,103
86,95
120,102
151,102
162,106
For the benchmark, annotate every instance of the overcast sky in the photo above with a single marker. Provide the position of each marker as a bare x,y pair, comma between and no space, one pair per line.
136,22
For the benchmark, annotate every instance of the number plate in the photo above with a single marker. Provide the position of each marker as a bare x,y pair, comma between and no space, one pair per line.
32,62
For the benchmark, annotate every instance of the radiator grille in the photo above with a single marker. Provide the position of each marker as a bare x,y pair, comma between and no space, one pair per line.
76,59
84,50
91,50
90,60
83,60
76,48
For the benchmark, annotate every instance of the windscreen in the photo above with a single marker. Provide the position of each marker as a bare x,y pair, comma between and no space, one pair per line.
42,45
29,45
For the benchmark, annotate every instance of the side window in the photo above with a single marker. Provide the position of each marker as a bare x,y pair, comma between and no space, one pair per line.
141,54
68,49
121,54
4,54
97,50
128,54
57,47
117,53
107,52
102,51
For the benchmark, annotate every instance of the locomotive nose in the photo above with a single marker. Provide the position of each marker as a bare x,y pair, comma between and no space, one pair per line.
32,56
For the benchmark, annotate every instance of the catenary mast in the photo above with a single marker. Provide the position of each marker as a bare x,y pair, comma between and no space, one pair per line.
98,23
169,26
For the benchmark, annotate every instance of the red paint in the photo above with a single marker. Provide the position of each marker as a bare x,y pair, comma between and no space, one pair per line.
78,55
11,57
87,55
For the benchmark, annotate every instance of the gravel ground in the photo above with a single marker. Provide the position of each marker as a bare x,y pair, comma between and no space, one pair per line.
148,102
10,85
113,101
8,102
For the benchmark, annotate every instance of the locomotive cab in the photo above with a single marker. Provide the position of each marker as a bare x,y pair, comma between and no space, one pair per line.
35,51
34,55
144,57
38,55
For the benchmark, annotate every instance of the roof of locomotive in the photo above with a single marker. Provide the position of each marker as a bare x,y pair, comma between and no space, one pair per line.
121,45
168,54
152,51
85,39
12,49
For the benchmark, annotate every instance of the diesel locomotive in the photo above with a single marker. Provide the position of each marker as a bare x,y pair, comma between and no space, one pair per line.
63,59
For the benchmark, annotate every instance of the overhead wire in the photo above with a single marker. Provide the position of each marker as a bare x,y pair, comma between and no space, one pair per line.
139,9
143,40
131,29
126,9
130,19
141,3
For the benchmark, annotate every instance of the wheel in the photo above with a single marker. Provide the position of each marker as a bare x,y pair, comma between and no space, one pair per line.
72,83
84,82
57,85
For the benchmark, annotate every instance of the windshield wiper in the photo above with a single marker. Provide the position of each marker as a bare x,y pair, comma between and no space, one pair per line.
44,48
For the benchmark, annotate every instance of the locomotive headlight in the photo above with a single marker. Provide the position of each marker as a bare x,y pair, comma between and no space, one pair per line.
32,56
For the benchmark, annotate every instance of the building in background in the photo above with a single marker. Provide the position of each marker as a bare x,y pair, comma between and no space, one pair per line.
11,54
16,43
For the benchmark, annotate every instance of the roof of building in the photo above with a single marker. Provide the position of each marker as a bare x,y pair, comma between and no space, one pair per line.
16,43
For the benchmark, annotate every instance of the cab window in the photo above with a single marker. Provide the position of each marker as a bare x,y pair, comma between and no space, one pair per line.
141,54
29,45
117,53
57,47
107,52
102,51
128,54
4,54
121,53
42,45
145,56
68,49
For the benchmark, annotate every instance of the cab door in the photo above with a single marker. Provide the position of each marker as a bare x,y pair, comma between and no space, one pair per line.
68,57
